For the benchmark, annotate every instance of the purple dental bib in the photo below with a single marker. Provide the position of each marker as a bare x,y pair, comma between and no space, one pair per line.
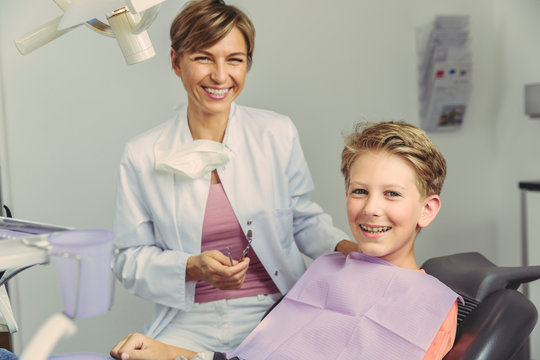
355,307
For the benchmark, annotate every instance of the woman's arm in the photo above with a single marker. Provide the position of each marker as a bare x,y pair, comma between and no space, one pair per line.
314,232
139,260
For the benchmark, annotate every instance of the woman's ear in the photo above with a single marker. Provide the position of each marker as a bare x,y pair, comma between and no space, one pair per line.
432,205
175,62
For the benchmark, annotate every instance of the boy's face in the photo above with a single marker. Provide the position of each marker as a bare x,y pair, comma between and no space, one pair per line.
385,208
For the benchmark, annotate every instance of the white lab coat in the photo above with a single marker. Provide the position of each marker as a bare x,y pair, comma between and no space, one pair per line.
158,218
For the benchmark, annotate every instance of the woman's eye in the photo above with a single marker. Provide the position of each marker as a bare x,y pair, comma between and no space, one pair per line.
203,59
236,60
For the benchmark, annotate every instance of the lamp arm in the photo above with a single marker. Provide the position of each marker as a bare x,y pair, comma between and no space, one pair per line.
63,4
100,27
41,345
103,29
94,24
147,19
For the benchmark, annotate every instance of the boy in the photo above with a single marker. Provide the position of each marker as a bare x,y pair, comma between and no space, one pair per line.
374,304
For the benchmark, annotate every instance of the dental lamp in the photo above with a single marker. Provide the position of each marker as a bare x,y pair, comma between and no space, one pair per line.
125,23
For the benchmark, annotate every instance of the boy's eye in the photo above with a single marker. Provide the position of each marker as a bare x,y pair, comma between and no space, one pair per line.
359,192
392,194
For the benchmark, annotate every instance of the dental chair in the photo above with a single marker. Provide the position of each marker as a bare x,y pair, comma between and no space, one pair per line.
496,320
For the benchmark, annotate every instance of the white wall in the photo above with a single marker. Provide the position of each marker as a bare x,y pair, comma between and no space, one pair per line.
516,134
71,105
4,179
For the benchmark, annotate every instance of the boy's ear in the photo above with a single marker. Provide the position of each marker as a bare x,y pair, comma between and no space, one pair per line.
175,61
432,205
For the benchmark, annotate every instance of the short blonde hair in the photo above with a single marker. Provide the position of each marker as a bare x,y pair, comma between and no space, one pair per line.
401,139
202,23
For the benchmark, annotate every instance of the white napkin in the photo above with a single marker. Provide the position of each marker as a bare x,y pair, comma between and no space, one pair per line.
193,160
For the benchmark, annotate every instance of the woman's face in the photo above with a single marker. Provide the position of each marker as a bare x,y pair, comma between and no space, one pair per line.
213,77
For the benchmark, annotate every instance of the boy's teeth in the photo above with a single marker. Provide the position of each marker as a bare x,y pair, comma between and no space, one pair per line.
375,229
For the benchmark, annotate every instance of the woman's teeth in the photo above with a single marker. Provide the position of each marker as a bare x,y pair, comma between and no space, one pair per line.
375,230
217,92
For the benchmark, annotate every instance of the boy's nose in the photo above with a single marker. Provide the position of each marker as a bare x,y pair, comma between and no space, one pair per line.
372,206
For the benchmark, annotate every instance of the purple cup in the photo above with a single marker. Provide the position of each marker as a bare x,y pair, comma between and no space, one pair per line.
80,356
83,259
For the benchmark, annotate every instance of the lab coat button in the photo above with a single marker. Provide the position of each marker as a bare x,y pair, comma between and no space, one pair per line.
249,222
276,273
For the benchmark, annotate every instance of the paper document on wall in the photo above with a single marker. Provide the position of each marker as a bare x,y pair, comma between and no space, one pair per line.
444,72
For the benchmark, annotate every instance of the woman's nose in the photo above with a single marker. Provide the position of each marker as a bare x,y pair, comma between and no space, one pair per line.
219,73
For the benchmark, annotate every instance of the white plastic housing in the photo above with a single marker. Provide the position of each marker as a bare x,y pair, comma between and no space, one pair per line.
80,11
135,47
137,6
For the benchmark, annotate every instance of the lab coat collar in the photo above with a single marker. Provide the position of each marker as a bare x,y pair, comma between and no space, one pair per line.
179,133
188,158
232,138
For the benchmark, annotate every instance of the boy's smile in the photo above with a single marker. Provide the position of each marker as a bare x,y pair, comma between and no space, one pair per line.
374,229
385,208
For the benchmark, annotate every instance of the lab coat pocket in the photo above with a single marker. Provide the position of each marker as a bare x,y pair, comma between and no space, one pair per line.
283,219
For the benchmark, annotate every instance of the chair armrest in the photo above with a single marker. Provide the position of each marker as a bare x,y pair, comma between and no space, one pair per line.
472,275
496,329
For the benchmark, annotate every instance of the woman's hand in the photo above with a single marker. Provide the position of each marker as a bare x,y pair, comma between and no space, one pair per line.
140,347
347,246
215,268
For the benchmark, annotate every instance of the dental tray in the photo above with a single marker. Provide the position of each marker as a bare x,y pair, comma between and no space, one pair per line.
16,228
24,243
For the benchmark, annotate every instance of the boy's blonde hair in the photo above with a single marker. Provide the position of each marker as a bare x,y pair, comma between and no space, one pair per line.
203,23
401,139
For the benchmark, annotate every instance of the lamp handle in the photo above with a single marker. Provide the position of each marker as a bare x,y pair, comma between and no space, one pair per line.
40,36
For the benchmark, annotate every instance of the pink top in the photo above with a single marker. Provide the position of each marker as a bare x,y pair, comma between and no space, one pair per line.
221,230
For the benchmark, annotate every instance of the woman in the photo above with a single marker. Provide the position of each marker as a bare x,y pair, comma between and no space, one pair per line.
213,207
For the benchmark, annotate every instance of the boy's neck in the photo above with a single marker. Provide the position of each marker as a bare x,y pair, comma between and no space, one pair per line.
413,266
407,263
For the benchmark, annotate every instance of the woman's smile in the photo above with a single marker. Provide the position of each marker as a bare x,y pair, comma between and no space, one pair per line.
217,93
